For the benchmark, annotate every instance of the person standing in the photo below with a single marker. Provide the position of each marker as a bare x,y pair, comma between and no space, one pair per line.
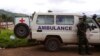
82,39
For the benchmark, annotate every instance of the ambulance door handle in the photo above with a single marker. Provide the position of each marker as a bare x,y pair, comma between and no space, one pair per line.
39,30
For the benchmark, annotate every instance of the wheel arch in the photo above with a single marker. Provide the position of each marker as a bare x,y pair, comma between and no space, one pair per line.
54,36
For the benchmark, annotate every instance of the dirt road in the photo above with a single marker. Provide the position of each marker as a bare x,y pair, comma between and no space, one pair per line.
40,51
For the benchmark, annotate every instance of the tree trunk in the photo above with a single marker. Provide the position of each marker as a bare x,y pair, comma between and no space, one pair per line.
0,25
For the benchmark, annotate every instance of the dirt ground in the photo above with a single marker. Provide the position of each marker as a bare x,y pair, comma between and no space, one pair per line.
40,51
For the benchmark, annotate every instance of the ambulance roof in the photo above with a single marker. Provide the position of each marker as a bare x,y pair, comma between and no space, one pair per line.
52,13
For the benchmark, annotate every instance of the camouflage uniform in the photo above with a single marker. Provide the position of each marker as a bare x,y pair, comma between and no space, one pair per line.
82,40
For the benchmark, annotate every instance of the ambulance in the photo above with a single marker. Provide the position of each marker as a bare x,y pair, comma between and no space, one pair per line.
54,30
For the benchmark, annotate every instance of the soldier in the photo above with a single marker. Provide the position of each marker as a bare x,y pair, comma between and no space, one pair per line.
81,33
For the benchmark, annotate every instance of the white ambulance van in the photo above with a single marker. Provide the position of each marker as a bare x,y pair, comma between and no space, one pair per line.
56,29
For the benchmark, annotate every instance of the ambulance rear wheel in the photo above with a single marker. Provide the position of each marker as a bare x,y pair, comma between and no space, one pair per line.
21,30
52,44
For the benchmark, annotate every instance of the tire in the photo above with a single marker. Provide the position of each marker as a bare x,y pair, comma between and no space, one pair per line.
52,44
21,30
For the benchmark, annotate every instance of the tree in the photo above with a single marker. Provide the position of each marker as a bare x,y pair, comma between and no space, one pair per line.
4,17
10,19
0,23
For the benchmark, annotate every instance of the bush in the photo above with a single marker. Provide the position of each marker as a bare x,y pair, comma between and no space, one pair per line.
6,42
5,33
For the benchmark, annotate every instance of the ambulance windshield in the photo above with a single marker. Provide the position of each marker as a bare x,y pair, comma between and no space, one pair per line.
92,24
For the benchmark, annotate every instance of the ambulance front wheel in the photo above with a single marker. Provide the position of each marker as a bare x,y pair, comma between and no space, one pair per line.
21,30
52,44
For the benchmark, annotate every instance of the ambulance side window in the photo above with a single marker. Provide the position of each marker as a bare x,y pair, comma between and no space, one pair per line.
45,19
64,20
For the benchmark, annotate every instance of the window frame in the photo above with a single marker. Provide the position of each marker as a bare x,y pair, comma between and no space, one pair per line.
45,24
65,15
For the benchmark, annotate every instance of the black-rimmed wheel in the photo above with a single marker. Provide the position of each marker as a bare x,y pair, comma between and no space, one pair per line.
21,30
52,44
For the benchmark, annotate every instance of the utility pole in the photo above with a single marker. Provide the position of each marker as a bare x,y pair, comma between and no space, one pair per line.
7,21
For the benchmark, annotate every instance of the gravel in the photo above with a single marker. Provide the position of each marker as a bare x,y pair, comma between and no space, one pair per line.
39,50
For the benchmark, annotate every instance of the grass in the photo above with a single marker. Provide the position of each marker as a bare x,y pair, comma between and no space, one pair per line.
5,33
6,42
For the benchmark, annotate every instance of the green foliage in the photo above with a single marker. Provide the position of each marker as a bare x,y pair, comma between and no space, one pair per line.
6,42
5,33
4,37
7,18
